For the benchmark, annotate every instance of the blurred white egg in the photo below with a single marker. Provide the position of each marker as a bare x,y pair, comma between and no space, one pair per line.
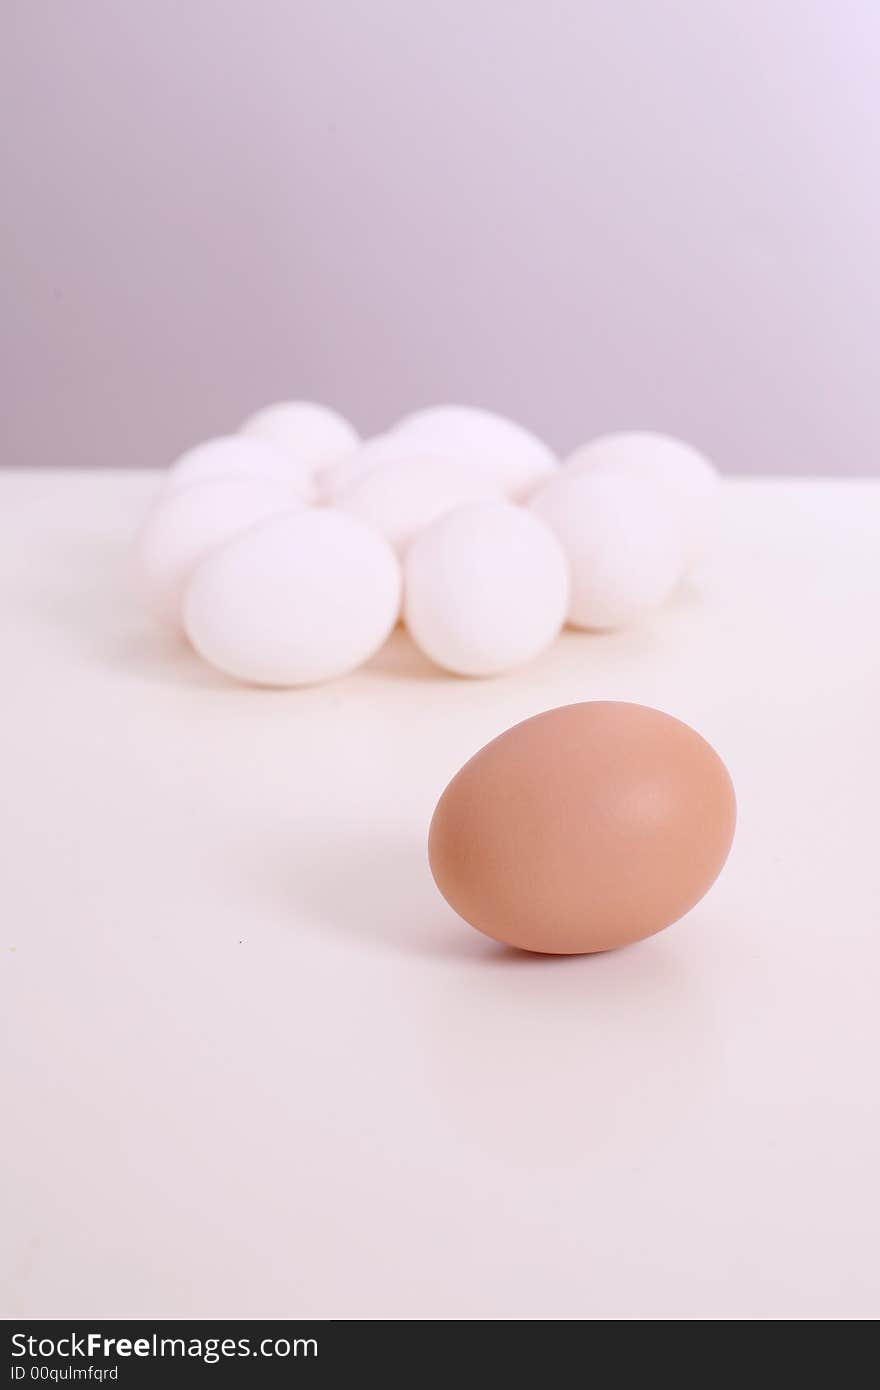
514,458
623,542
401,496
685,473
486,588
299,599
186,525
233,456
337,477
309,435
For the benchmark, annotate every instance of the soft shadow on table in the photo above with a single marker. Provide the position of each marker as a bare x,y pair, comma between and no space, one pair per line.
591,1062
162,658
401,659
541,1059
149,653
372,885
94,609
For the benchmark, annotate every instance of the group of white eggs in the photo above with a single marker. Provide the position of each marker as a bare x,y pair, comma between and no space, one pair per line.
288,552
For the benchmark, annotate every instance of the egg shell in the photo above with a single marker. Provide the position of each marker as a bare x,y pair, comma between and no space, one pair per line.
485,588
583,828
347,470
189,523
685,474
310,435
300,599
510,455
401,496
623,542
231,456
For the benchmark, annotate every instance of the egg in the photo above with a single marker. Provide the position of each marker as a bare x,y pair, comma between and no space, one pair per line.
691,481
337,477
623,542
231,456
507,453
485,588
302,598
309,435
584,828
399,497
186,525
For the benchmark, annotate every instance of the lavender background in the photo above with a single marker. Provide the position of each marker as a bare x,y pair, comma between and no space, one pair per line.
589,214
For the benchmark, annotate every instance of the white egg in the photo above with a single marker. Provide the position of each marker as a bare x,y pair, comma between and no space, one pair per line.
623,542
507,452
310,435
485,588
299,599
686,474
231,456
401,496
337,477
186,525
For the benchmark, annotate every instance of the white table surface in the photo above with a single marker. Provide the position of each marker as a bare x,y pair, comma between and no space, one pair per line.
259,1068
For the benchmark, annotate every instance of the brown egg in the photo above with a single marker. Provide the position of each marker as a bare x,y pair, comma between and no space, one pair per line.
584,828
